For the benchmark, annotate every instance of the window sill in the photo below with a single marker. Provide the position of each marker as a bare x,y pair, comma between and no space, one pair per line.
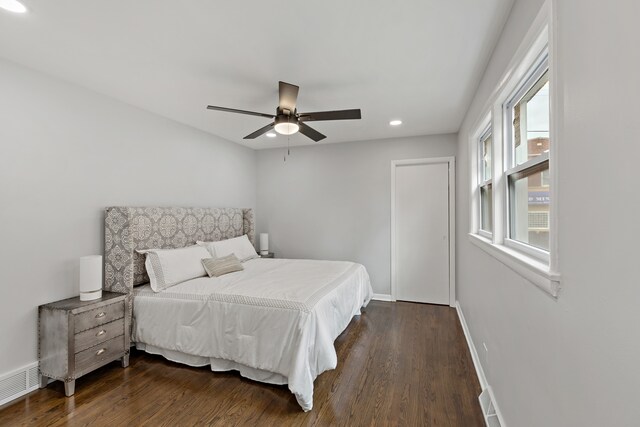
528,267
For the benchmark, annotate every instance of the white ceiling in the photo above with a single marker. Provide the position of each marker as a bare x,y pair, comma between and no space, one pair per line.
416,60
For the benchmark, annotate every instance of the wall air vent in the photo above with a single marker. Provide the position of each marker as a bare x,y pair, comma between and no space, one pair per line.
491,418
18,383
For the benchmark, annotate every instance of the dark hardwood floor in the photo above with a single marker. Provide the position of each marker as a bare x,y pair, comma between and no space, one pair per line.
398,364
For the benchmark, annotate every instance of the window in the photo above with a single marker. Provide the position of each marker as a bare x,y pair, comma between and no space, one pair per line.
527,146
512,162
485,180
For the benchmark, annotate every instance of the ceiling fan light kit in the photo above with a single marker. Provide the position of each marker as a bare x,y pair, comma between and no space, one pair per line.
284,125
287,120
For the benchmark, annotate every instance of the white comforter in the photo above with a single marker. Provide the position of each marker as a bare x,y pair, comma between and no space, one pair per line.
276,321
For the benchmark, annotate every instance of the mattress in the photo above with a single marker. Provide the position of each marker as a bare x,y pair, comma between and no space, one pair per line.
275,321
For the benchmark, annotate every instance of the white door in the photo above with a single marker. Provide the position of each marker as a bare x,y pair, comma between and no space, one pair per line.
422,232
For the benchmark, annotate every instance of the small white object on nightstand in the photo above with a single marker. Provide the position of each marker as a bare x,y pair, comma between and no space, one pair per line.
90,277
264,243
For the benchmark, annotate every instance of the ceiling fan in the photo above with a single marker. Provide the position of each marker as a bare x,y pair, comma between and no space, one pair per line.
288,121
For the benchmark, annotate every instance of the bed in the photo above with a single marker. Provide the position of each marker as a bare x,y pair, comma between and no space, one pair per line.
274,322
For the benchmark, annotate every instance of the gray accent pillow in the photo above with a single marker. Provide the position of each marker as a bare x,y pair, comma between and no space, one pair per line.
218,266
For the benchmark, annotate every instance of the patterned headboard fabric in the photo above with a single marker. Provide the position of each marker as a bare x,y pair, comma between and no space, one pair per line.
127,229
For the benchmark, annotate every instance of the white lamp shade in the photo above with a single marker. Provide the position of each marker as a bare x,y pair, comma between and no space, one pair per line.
264,243
90,277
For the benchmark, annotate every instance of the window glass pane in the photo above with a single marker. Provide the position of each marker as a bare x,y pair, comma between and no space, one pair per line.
531,123
486,158
486,206
529,206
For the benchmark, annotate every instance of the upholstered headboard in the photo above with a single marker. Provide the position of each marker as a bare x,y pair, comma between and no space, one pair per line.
127,229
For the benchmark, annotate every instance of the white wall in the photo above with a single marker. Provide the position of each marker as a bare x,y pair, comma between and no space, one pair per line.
571,361
333,201
66,153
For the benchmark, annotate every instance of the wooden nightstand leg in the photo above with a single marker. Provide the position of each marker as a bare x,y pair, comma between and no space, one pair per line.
125,360
43,381
69,388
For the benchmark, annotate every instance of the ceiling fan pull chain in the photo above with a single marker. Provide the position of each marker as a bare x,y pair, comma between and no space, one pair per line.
288,141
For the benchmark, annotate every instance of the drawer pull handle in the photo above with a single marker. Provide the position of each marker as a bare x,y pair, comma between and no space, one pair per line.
99,352
101,314
102,332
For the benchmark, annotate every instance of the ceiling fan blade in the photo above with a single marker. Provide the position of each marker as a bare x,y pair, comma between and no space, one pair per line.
310,132
260,131
288,96
331,115
233,110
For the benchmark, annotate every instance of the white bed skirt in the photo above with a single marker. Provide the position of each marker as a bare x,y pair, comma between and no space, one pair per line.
217,365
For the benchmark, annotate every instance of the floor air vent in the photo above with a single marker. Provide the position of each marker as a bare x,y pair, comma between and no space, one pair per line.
491,417
17,383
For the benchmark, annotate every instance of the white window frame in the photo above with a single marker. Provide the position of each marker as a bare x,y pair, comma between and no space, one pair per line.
482,182
538,69
538,266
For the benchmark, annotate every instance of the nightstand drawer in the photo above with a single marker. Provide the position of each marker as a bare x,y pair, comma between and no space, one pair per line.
95,336
99,316
99,353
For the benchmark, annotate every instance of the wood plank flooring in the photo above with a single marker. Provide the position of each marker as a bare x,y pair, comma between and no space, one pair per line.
398,364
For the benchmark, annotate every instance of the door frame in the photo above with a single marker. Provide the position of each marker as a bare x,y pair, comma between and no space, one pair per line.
451,162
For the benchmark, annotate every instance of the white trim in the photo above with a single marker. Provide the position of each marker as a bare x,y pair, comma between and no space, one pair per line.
490,411
528,164
382,297
482,378
452,231
474,168
485,234
556,134
538,68
532,269
482,182
543,272
19,382
488,133
451,162
534,42
528,249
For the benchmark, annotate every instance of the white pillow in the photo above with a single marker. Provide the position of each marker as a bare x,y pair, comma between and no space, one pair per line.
168,267
241,247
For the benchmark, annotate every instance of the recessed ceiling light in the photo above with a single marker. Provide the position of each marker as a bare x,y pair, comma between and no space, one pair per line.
395,122
13,6
271,134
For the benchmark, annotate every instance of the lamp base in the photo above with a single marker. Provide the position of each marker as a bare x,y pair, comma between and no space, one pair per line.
90,296
264,252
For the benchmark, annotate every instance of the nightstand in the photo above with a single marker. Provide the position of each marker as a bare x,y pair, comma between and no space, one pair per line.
269,255
76,337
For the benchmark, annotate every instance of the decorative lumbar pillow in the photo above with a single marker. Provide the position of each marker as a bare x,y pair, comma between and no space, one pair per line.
168,267
241,247
218,266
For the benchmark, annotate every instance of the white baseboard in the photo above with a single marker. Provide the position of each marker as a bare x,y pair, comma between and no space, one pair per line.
18,383
490,410
382,297
472,348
